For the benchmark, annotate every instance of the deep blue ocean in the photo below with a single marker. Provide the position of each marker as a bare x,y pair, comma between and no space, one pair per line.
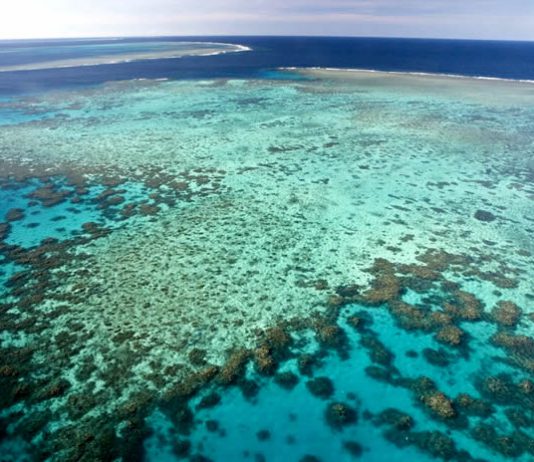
511,60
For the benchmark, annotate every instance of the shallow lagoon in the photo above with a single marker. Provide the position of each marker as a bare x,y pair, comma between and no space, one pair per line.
210,236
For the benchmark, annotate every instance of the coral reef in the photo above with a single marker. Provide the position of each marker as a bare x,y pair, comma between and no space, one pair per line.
322,387
264,361
197,357
473,406
286,380
439,404
484,215
395,418
378,353
14,215
309,458
339,415
234,367
506,314
450,335
513,445
210,400
436,443
175,263
306,364
353,448
437,357
520,349
331,335
263,435
355,321
386,285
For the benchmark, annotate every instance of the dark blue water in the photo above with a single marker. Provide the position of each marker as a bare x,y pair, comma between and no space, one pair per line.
512,60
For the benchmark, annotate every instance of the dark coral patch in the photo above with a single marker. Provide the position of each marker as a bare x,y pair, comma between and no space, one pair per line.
520,349
395,418
473,406
484,215
353,448
306,363
322,387
286,380
208,401
385,287
437,357
506,314
234,367
263,435
439,404
14,215
510,445
339,415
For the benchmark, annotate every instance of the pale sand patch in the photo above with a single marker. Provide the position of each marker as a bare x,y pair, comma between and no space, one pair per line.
127,57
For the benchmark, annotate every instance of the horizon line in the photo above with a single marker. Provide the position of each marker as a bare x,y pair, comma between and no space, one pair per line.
122,37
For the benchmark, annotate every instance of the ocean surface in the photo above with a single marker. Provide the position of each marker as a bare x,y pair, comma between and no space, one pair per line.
512,60
266,249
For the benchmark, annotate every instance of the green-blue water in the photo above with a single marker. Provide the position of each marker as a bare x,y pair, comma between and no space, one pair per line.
220,245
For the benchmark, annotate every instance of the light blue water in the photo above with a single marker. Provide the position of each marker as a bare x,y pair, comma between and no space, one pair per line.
295,418
190,218
65,219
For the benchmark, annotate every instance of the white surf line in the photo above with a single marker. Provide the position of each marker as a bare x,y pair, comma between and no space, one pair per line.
126,58
424,74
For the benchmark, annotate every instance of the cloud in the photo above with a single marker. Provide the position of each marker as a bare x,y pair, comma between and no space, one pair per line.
513,19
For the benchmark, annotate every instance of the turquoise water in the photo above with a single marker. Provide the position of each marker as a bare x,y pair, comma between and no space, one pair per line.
337,267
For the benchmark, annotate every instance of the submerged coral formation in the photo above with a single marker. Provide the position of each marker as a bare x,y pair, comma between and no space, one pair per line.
172,275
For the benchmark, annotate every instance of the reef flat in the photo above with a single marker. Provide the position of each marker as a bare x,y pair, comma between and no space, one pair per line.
336,267
99,54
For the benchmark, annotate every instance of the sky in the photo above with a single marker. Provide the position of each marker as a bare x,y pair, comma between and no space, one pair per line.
471,19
